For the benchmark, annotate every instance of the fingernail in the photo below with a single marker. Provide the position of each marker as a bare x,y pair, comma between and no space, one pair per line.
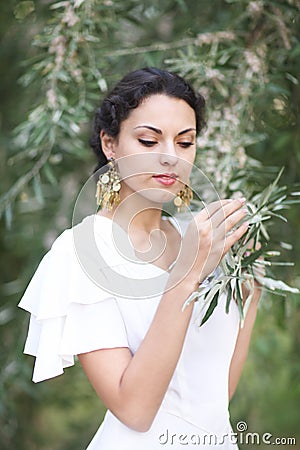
242,200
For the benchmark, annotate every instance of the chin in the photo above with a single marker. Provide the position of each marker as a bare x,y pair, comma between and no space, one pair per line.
150,192
158,196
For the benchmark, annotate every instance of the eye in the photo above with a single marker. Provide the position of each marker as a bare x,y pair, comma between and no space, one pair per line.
147,143
185,144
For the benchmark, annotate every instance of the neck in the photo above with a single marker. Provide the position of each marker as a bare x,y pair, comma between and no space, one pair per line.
136,212
148,234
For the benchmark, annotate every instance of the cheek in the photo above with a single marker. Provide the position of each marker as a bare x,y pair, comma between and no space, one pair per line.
137,165
186,164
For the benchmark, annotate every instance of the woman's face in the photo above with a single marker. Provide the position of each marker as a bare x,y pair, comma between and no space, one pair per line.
155,148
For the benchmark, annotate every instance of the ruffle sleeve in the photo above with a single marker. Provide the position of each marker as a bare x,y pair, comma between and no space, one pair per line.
70,313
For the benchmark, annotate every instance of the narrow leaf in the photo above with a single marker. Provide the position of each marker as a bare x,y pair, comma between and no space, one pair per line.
229,297
248,300
211,308
37,189
8,216
272,284
239,299
251,258
49,174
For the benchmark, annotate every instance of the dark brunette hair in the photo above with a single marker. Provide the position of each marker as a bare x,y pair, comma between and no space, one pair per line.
130,92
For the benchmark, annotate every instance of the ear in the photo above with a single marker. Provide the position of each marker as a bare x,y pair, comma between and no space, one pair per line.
108,144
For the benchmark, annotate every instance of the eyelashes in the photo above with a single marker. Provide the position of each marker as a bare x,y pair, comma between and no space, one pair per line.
148,143
186,144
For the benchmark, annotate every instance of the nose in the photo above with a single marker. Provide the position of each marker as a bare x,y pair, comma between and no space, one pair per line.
168,156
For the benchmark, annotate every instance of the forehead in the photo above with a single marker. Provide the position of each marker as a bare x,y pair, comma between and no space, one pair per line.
163,112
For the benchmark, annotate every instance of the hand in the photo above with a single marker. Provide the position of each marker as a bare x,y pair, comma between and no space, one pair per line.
208,238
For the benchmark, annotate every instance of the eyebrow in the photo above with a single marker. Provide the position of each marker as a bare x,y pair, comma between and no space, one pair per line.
186,131
158,131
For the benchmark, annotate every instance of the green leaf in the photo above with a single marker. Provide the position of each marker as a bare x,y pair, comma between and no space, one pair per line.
293,79
78,3
264,232
229,297
273,285
211,308
182,5
38,189
49,174
279,216
248,260
251,233
8,215
23,9
239,299
248,300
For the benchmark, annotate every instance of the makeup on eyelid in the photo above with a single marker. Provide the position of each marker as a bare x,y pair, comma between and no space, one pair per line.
150,143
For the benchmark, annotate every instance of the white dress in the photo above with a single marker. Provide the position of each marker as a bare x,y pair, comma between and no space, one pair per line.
91,292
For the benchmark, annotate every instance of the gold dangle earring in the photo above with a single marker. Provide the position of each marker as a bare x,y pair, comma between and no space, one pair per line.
108,187
183,198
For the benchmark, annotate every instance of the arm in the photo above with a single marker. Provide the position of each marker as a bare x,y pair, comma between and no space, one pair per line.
133,387
243,342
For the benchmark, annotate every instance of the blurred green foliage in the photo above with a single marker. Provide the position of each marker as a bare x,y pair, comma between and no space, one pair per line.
244,56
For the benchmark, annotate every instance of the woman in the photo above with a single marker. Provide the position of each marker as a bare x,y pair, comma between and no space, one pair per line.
112,289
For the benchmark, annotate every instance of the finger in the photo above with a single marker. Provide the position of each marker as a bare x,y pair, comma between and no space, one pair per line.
250,246
235,236
234,220
210,209
259,270
229,209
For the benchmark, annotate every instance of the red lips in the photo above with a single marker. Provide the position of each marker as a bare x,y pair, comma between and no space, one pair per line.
166,179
